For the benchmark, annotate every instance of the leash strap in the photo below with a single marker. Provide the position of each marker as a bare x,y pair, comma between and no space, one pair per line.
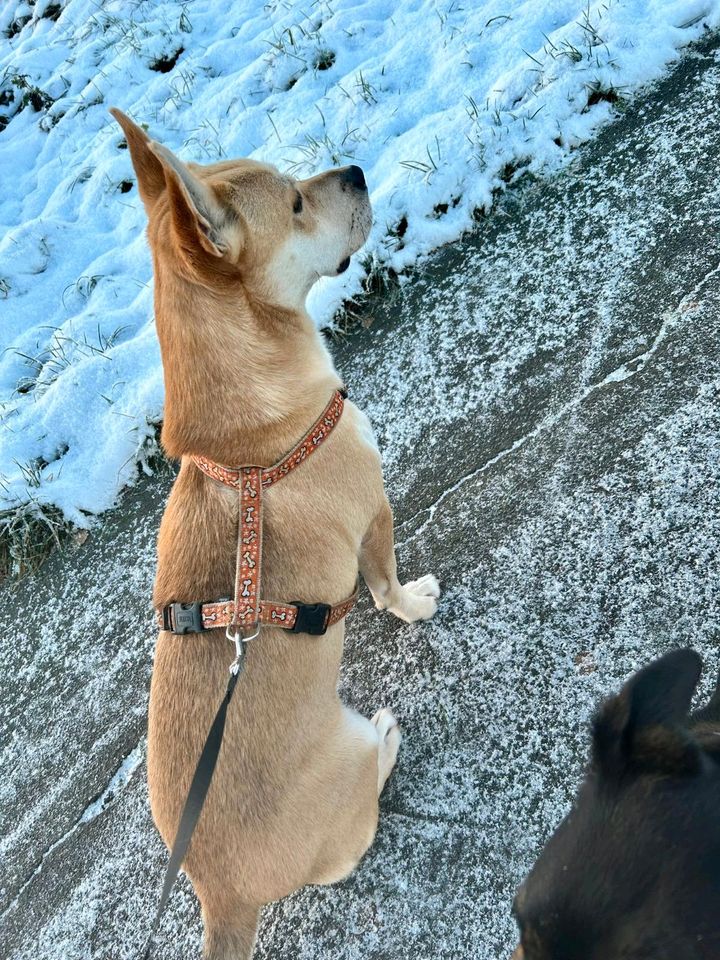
196,797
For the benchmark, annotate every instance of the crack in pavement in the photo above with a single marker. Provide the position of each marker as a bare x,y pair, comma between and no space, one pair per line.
431,818
626,370
117,783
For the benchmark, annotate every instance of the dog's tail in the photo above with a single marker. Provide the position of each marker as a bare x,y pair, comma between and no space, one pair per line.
231,937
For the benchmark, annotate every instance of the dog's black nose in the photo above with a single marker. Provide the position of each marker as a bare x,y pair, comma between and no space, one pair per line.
355,177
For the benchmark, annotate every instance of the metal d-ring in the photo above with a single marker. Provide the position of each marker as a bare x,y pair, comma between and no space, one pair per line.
239,636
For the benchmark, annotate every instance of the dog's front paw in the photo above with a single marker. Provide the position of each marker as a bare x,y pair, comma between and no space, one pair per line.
418,600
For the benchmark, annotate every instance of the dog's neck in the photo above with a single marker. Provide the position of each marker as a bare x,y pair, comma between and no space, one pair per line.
243,380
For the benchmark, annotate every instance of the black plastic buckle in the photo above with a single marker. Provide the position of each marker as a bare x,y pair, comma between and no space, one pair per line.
183,618
311,618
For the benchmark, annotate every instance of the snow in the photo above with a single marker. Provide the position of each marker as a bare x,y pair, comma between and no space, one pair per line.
442,103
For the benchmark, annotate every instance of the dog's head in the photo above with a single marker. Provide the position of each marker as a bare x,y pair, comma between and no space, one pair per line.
633,872
240,221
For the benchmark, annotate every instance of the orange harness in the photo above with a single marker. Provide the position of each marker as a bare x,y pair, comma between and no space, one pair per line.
246,613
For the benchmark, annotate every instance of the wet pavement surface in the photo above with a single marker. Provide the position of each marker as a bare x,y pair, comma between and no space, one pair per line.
545,394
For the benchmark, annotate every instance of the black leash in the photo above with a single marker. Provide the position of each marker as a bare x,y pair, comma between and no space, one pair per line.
196,794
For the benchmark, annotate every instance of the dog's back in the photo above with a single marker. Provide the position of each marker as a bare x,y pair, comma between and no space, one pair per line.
633,871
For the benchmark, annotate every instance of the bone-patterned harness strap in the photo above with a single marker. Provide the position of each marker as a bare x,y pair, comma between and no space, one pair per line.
246,612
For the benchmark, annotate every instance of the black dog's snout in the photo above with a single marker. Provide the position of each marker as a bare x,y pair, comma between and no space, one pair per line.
355,177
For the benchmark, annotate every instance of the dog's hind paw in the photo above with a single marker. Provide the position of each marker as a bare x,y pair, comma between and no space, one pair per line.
388,744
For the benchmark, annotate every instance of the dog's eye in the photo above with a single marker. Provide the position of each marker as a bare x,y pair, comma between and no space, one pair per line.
297,206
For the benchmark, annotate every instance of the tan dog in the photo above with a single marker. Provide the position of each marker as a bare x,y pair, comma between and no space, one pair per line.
236,248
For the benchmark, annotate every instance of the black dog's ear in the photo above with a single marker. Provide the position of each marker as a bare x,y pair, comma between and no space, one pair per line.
710,713
643,727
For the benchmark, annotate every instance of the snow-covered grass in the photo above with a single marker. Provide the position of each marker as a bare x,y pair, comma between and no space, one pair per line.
443,103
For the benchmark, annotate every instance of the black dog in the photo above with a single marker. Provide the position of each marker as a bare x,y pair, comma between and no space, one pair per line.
633,872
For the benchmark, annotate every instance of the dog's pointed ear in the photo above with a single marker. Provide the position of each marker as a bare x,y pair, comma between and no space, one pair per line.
198,217
644,726
148,169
